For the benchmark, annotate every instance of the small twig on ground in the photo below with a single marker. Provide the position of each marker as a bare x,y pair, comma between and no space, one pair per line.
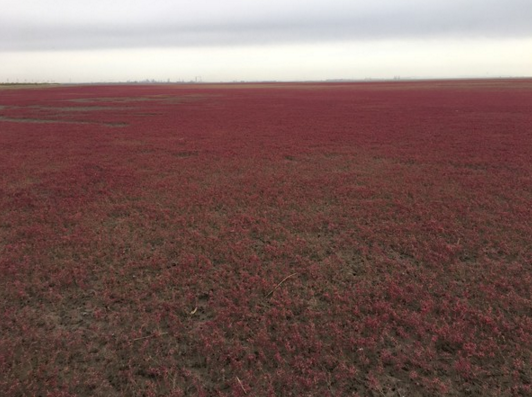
150,336
241,385
278,285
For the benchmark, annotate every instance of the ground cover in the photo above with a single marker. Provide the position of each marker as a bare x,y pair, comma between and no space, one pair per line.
262,240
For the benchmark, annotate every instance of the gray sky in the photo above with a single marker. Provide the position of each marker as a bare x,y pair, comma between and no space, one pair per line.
65,40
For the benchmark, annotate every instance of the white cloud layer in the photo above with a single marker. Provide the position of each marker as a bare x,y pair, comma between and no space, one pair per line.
263,39
68,24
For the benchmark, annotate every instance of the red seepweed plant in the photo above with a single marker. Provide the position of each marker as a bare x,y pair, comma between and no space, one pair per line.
296,239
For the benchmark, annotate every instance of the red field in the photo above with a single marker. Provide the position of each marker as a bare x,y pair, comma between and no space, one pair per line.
267,240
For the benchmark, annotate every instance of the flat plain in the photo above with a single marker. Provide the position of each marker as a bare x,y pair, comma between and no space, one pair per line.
370,239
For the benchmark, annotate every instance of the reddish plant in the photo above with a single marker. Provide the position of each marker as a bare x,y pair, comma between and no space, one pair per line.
300,239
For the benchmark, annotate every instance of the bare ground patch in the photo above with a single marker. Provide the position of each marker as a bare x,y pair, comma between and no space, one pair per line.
78,108
161,98
56,121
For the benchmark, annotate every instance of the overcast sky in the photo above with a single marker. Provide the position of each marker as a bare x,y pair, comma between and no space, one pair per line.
71,40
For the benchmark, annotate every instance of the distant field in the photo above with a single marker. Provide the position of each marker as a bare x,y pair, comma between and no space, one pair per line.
349,239
20,86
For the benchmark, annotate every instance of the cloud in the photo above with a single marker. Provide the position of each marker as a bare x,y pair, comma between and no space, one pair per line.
62,25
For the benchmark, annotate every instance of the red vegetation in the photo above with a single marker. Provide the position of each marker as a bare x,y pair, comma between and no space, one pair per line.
290,240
